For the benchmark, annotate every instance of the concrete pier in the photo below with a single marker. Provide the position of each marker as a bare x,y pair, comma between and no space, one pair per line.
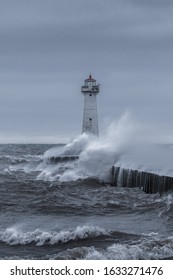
149,182
62,159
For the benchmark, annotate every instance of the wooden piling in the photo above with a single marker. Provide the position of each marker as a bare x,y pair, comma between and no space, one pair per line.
149,182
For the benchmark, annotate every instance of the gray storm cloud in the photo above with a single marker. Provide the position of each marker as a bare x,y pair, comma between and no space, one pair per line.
48,48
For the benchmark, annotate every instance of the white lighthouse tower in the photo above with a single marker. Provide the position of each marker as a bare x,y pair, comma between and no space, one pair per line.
90,116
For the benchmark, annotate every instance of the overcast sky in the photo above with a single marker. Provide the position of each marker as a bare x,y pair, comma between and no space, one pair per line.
48,48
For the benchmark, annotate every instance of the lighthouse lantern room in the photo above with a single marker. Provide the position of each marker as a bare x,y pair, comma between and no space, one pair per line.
90,117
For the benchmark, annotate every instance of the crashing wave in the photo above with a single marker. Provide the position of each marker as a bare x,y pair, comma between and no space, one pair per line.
13,236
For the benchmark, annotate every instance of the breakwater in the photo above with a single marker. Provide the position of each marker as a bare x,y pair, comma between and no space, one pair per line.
148,181
62,159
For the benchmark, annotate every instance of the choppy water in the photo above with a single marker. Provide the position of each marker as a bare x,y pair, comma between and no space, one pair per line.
66,210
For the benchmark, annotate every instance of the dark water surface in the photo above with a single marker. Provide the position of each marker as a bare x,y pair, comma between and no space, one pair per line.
46,215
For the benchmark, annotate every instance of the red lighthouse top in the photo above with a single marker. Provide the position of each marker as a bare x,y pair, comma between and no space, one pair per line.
90,78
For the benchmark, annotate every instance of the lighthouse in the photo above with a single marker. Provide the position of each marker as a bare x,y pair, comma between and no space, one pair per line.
90,117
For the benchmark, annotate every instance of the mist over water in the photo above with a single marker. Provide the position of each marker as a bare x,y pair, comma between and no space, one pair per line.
125,144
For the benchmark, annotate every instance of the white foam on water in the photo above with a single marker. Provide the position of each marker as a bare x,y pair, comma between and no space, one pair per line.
167,199
146,249
15,235
25,163
75,147
123,144
152,248
149,246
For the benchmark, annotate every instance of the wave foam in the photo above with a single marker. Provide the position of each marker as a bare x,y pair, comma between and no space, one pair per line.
148,250
145,250
124,144
13,236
